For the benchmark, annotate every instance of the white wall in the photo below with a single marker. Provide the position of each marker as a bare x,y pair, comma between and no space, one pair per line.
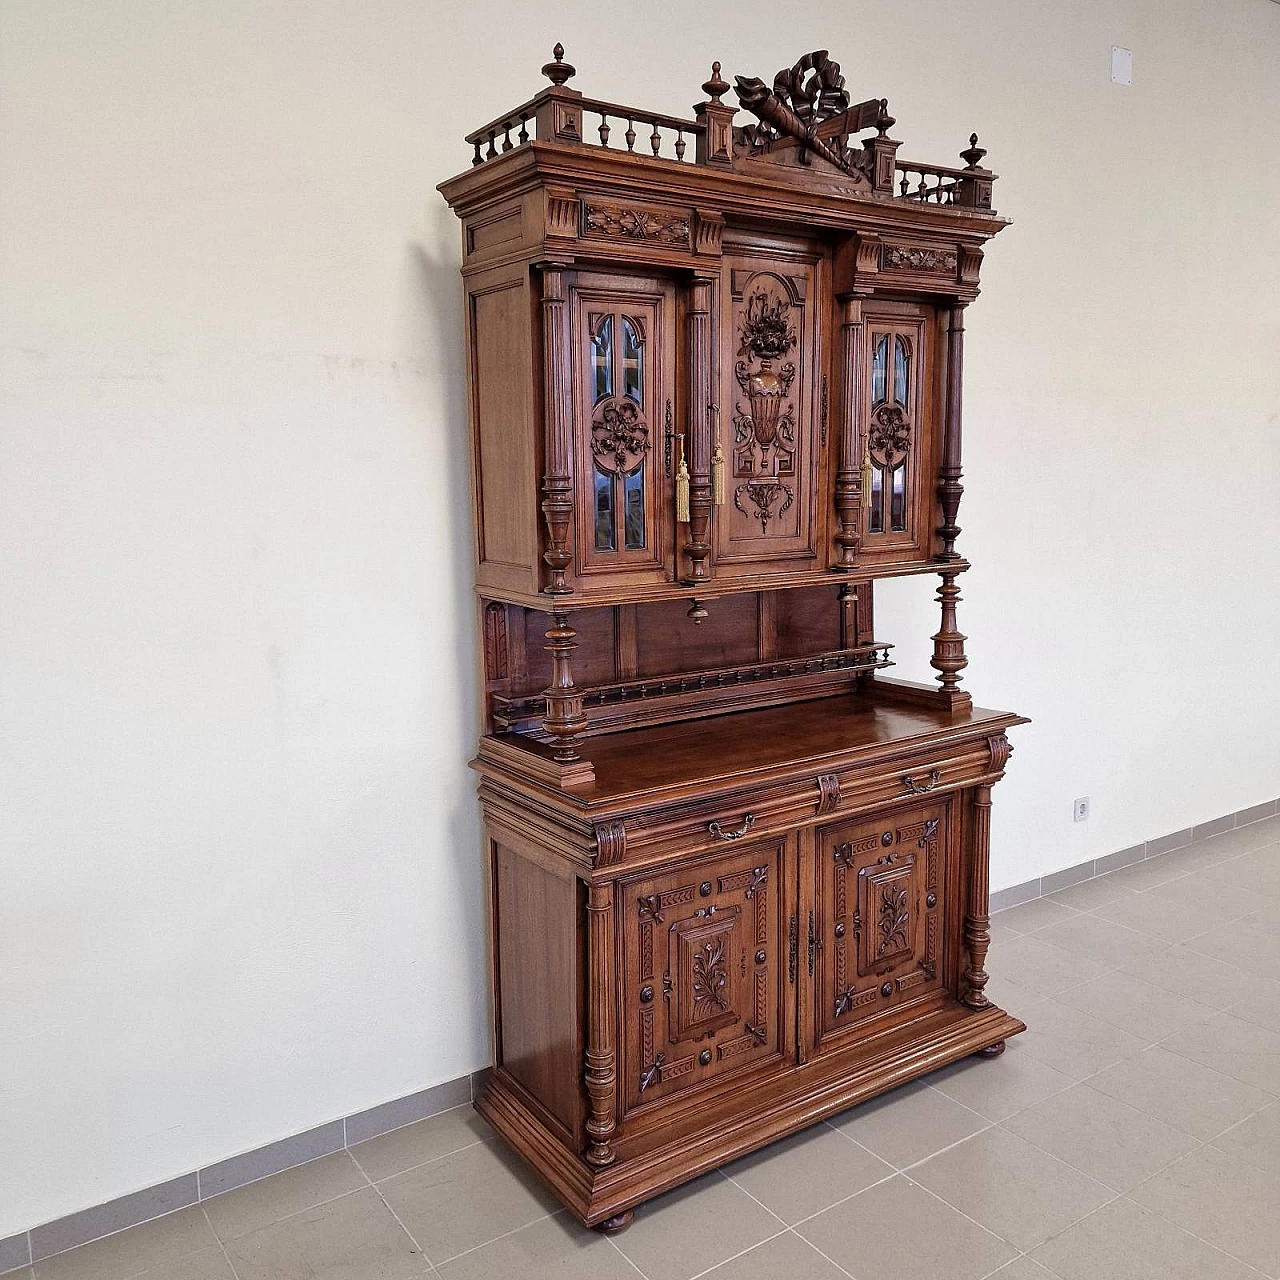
241,888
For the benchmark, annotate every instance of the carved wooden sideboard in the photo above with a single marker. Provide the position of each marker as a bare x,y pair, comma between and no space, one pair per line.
738,875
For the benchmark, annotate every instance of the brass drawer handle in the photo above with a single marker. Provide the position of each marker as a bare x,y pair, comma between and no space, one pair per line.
920,788
748,821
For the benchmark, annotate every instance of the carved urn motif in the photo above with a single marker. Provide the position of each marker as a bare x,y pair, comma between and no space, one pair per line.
767,335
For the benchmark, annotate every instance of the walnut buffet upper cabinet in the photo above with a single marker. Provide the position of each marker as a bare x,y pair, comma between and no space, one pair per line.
738,876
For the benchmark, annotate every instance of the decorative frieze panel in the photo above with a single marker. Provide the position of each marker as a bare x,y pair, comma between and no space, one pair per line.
635,222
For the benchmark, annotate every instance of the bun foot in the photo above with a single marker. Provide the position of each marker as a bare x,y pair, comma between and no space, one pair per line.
619,1222
991,1051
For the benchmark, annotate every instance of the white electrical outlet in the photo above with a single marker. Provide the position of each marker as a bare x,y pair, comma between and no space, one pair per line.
1080,810
1121,65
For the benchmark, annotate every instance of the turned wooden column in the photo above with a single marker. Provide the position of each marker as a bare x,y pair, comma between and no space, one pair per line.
977,920
601,1058
696,547
848,488
948,645
949,487
564,718
557,480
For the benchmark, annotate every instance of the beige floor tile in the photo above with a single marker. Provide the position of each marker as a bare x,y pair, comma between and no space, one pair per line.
236,1213
691,1229
1182,1093
1089,936
1254,835
808,1172
786,1257
467,1199
1247,944
1230,1204
1169,920
898,1229
1031,962
1033,915
153,1244
1256,1140
1101,1136
1091,893
355,1238
1198,977
415,1144
1074,1042
1149,873
1239,1049
1218,894
558,1248
1002,1086
1023,1269
1009,995
1125,1241
910,1123
1136,1006
1010,1186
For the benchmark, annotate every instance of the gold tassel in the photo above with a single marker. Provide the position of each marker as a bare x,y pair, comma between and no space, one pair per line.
717,476
682,493
866,480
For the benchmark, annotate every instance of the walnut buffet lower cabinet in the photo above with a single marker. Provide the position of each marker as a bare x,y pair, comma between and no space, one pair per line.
739,877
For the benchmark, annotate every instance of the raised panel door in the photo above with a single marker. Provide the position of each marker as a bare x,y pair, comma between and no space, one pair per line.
703,974
771,421
880,916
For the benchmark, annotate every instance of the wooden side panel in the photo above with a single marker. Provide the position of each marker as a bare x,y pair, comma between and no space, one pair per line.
540,981
503,440
669,641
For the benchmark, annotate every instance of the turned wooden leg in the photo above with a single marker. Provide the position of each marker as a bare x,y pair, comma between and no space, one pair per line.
991,1051
564,718
601,1074
977,921
619,1222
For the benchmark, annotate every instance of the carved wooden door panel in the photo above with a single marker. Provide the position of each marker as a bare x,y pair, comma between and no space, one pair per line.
623,372
880,915
771,423
898,420
704,972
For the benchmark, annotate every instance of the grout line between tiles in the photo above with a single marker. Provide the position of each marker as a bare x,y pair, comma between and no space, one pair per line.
377,1191
221,1246
635,1266
741,1252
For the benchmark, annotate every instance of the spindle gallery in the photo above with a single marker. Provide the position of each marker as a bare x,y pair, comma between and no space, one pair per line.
738,874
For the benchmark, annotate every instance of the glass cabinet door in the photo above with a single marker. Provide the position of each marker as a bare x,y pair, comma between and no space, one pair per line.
622,375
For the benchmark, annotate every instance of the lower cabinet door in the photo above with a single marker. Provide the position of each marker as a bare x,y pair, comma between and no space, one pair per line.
881,916
704,972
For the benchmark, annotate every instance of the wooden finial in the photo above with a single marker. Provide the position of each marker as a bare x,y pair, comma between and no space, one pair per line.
714,87
884,121
558,71
974,153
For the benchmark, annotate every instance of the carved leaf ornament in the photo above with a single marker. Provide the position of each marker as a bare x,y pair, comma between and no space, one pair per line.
619,437
709,979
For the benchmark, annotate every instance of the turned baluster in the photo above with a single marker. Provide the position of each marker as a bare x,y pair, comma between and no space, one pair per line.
655,139
630,134
601,1058
977,920
604,130
948,645
557,481
564,718
848,487
697,548
950,489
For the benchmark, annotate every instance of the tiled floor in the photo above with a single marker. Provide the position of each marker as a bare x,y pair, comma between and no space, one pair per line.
1132,1134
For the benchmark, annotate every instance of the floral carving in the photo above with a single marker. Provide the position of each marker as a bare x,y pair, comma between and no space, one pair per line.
767,332
619,437
634,224
709,980
763,494
890,436
905,258
893,920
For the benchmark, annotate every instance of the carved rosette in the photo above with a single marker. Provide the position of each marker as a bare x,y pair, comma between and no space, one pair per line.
619,436
890,436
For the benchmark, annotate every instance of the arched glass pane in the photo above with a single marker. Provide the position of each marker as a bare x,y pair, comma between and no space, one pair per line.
605,536
632,362
898,506
633,504
879,370
875,517
901,371
602,359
